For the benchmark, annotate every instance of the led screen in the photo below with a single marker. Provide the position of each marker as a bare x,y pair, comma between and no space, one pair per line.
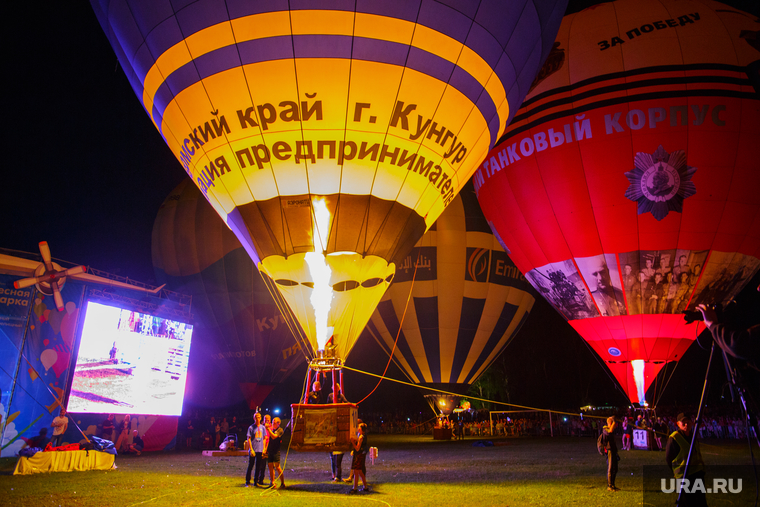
130,363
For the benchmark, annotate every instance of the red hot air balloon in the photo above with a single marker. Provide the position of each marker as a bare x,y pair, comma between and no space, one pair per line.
628,186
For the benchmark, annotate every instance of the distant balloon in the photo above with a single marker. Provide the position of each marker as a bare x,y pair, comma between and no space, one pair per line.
468,301
48,358
628,186
330,135
242,346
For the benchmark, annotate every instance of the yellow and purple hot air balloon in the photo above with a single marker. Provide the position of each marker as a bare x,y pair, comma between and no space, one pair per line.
330,135
628,187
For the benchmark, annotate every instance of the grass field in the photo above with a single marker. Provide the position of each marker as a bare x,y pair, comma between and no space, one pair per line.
410,471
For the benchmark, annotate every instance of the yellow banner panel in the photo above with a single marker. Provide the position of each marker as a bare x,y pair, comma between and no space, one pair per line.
323,22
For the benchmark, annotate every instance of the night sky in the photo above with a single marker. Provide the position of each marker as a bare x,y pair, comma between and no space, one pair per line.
86,170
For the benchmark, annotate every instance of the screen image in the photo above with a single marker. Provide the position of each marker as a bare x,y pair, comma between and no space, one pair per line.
130,363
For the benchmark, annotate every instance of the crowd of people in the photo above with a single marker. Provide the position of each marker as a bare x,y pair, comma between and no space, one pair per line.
126,439
203,431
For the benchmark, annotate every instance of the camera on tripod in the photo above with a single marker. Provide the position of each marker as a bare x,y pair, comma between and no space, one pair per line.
694,315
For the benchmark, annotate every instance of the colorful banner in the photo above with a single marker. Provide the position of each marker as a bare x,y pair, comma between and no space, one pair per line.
40,381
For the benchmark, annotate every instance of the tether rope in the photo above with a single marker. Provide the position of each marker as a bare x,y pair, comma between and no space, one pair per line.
382,377
398,334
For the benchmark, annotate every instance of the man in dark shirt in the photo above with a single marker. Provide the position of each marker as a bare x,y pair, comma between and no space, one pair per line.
341,397
108,427
137,444
40,441
315,396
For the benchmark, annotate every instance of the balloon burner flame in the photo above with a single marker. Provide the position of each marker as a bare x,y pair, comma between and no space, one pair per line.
638,376
321,296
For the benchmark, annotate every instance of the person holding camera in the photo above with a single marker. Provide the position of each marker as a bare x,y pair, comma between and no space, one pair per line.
740,343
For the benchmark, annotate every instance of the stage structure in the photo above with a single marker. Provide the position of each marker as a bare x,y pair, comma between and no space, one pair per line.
92,355
627,188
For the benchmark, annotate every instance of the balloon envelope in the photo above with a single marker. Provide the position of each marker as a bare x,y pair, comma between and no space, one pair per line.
468,300
241,343
628,186
330,135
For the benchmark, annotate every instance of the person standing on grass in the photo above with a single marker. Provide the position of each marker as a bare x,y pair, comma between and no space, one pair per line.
358,463
256,443
235,430
189,434
123,433
273,450
610,452
676,452
60,424
108,427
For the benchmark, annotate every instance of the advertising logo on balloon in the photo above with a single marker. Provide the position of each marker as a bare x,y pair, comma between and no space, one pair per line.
477,264
421,264
660,182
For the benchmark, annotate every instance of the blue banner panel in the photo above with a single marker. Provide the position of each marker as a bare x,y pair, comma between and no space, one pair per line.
40,381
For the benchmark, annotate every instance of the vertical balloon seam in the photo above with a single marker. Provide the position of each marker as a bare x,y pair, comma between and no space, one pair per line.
499,350
295,327
378,336
405,342
509,334
250,96
443,92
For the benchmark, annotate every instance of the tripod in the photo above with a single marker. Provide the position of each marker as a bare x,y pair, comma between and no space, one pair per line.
750,417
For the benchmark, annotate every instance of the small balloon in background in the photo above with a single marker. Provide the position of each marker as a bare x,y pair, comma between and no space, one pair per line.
56,319
39,307
45,342
69,323
32,374
61,363
48,358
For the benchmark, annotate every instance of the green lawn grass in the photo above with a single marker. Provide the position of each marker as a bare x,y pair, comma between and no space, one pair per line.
410,471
